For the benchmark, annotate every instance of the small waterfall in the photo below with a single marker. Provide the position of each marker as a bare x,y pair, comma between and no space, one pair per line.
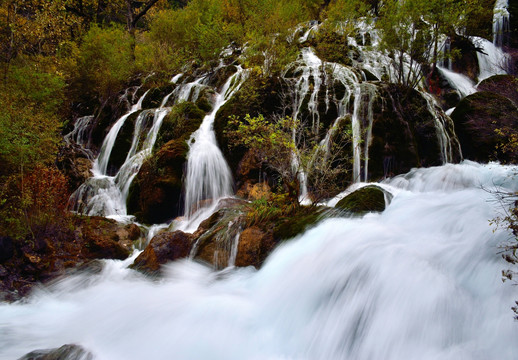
492,60
357,137
101,163
461,83
80,134
448,141
208,176
501,26
105,195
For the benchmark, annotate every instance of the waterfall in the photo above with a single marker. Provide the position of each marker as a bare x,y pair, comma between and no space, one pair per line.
208,176
101,163
422,280
501,26
492,60
105,195
446,136
80,134
461,83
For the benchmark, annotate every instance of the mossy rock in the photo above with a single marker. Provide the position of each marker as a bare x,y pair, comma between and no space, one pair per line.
332,47
184,119
467,61
156,191
366,199
296,224
404,133
156,95
125,138
505,85
477,117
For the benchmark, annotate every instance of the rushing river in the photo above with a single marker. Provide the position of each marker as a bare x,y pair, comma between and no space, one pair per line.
422,280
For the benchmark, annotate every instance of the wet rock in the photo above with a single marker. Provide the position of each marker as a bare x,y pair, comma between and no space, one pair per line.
366,199
156,95
478,119
104,238
66,352
163,248
254,247
156,191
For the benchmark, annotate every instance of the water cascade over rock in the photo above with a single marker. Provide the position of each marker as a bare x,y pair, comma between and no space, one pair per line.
208,176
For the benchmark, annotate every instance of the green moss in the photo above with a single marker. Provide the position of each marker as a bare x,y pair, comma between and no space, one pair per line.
366,199
156,95
185,118
295,225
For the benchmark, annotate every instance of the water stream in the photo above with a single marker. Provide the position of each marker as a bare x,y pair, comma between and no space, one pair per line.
418,281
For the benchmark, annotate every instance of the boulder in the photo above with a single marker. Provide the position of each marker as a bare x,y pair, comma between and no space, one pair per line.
505,85
367,199
163,248
156,191
483,121
66,352
254,247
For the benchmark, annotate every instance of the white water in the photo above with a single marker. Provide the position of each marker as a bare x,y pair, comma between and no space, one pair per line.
460,82
208,176
500,22
105,195
101,163
419,281
493,60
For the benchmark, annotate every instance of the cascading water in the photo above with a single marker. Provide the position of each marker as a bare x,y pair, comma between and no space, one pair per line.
422,280
492,60
101,163
106,195
208,176
501,26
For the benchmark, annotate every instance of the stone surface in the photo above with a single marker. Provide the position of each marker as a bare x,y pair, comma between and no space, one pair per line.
163,248
477,118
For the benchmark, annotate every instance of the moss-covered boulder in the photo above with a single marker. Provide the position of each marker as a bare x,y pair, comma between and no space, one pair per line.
483,121
366,199
184,118
163,248
155,193
156,95
505,85
304,218
156,190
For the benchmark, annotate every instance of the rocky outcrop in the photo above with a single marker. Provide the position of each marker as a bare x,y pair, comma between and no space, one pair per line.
484,121
75,163
164,247
156,191
404,133
28,261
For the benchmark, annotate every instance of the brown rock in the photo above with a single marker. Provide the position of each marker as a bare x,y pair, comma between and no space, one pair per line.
254,246
163,248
